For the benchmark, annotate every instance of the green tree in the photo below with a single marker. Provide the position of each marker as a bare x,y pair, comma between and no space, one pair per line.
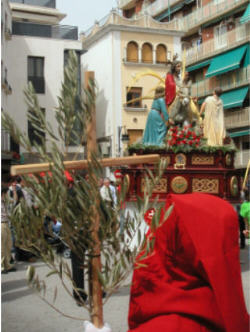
52,197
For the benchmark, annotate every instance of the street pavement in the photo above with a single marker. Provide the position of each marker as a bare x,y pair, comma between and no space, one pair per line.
23,310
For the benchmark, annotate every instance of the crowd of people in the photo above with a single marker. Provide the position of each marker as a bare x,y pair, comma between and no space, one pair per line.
12,193
186,281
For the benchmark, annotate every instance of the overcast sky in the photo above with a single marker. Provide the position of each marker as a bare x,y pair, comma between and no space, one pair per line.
83,13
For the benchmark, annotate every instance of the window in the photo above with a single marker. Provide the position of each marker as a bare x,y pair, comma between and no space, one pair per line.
134,97
134,135
161,54
36,73
35,135
246,143
147,53
220,36
132,52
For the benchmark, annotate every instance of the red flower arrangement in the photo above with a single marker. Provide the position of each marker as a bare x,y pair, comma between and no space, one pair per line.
186,138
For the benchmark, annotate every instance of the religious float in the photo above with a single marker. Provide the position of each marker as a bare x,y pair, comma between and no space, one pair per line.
192,166
199,155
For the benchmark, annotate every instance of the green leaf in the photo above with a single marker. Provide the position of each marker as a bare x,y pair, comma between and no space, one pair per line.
55,295
51,273
30,273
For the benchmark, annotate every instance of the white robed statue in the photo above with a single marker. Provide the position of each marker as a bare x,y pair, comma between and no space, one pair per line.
214,127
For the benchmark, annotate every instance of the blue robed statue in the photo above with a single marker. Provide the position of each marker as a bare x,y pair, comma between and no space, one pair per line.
156,126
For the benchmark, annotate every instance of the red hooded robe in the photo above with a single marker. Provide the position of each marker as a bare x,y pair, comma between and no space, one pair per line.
192,281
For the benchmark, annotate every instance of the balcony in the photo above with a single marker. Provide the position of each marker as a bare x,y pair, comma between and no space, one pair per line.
159,6
126,4
237,118
42,3
227,81
209,12
241,159
43,30
64,32
218,45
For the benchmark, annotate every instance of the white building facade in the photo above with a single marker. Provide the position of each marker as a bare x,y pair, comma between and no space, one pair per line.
6,87
107,46
36,53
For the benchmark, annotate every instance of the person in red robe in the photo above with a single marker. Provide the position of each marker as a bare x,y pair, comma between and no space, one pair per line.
191,282
172,79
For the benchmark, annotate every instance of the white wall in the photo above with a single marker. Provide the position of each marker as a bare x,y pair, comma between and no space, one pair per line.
177,48
6,25
104,58
53,51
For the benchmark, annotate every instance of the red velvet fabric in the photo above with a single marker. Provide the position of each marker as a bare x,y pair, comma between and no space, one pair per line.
170,89
192,281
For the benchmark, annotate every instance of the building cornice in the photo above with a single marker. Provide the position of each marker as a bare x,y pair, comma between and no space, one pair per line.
56,40
35,10
144,25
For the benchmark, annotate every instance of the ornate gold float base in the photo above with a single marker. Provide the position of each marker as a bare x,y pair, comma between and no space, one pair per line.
211,173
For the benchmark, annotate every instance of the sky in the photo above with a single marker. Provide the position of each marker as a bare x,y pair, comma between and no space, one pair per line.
84,13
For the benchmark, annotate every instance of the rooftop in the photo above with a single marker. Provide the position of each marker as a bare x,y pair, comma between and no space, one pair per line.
115,21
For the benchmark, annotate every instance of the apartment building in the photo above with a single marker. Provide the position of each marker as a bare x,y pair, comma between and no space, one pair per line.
6,88
216,44
119,50
36,53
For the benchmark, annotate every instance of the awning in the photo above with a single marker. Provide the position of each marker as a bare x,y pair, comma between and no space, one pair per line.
226,61
240,133
246,16
187,2
234,98
199,65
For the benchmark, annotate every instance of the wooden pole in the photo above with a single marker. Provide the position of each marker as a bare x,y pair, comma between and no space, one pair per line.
95,269
246,176
83,164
